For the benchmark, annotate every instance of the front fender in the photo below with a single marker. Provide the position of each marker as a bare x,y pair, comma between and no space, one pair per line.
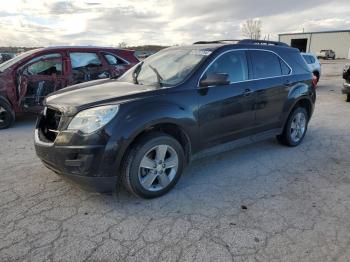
137,116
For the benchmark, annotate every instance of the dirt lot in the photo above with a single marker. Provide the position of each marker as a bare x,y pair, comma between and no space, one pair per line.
263,202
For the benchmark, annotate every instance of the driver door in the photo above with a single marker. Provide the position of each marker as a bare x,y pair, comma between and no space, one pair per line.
39,77
226,112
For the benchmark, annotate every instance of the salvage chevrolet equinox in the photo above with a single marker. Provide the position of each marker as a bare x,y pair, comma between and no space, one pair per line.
177,105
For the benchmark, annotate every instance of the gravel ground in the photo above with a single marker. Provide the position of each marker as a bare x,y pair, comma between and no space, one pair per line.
262,202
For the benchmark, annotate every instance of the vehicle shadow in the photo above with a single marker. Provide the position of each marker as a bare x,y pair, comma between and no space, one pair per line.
231,179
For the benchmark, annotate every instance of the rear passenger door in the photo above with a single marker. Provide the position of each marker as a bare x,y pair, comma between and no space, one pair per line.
272,81
86,66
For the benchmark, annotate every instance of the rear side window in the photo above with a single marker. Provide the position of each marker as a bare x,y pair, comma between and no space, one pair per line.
267,64
79,60
284,68
114,60
233,63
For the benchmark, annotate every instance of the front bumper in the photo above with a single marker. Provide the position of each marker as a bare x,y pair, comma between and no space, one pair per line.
346,88
88,165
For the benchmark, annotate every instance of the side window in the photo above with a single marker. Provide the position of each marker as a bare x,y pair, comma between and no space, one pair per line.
113,60
284,67
44,65
84,60
265,64
233,63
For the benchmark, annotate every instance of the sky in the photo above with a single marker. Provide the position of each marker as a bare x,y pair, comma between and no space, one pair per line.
160,22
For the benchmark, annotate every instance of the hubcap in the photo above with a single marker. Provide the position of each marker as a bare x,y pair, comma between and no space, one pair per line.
298,127
158,168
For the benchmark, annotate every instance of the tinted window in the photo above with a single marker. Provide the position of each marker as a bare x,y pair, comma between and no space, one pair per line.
113,60
232,63
284,67
45,65
84,60
266,64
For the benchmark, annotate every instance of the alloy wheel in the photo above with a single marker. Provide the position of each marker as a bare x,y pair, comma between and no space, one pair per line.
298,127
158,168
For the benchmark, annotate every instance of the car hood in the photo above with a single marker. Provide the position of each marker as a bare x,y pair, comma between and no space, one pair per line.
73,99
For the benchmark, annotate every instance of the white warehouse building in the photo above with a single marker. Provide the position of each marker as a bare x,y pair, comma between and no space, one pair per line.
314,42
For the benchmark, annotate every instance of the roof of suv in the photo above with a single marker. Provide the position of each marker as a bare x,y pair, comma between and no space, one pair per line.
237,44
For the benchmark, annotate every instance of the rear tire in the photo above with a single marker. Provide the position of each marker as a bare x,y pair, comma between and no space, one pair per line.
295,128
7,115
347,97
153,165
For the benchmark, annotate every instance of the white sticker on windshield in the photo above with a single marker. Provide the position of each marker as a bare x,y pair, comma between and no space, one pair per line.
201,52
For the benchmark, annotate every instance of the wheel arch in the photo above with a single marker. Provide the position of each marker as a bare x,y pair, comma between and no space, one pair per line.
302,101
168,127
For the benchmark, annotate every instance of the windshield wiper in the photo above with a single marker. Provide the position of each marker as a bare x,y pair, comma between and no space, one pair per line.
159,77
136,73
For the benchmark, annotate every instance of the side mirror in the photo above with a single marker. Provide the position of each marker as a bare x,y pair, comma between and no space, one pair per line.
216,79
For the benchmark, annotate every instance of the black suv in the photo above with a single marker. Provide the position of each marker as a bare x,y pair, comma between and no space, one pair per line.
179,104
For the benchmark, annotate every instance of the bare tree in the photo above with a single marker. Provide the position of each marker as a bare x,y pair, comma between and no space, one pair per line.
251,28
122,45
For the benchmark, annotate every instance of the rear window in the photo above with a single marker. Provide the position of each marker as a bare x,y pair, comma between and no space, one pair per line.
267,64
309,59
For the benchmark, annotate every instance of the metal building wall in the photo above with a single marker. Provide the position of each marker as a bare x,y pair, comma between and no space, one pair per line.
339,42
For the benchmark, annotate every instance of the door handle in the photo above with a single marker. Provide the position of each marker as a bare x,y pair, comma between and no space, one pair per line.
247,92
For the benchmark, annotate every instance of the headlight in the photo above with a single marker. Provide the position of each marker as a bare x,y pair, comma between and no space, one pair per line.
89,120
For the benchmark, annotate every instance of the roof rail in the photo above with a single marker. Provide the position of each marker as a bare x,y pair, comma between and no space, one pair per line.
265,42
216,41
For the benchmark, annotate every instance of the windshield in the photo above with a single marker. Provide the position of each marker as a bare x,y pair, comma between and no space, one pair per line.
14,60
165,68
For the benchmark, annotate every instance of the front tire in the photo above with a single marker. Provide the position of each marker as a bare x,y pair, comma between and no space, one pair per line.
7,115
295,128
153,165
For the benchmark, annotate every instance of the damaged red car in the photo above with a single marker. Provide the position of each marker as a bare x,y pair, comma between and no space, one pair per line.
29,77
